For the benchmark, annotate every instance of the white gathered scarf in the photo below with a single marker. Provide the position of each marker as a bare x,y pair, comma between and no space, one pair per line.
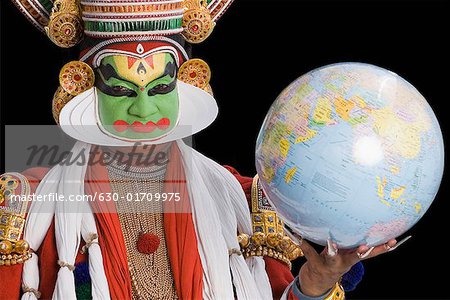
219,209
72,220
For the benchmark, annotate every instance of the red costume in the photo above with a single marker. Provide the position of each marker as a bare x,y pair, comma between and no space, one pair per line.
182,245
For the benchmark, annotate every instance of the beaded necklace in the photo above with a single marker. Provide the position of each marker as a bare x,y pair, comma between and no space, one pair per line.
151,273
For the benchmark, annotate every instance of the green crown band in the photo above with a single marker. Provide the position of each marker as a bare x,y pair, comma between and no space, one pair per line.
47,4
129,26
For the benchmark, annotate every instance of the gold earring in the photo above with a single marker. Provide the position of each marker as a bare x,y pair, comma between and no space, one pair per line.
65,27
75,77
195,72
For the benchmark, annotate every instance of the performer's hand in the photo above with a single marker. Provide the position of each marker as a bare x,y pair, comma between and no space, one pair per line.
321,271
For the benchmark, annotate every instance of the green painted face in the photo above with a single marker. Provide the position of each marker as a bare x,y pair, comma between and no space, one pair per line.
137,98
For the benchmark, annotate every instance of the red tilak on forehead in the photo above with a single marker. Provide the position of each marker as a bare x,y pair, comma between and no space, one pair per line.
148,59
131,61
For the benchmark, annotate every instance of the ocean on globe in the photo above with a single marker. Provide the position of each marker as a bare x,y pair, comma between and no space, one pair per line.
350,153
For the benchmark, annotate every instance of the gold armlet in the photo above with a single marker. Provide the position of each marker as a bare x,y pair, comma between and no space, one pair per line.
13,250
268,236
275,245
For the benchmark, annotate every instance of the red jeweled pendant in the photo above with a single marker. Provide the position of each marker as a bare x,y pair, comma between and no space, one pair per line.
148,243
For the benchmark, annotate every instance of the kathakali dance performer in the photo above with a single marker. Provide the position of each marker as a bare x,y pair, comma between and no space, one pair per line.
208,232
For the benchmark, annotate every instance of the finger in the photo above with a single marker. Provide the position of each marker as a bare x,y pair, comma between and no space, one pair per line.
388,247
352,256
366,254
390,244
362,249
308,251
331,249
396,245
375,251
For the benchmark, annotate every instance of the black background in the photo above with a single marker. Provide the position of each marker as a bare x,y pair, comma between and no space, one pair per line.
257,49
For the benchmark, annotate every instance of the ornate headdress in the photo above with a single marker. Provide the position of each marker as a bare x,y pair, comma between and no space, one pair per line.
64,20
133,27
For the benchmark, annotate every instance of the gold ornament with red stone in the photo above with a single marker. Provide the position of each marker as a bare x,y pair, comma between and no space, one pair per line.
197,22
196,72
65,27
76,77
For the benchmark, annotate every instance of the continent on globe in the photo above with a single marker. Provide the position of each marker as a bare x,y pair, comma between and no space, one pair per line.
350,152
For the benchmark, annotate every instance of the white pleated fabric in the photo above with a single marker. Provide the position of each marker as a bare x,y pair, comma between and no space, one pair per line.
69,217
219,209
100,289
37,223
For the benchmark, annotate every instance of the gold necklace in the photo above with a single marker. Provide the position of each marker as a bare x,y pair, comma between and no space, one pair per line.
151,274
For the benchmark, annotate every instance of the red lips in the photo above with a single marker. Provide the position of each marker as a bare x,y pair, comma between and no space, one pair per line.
150,126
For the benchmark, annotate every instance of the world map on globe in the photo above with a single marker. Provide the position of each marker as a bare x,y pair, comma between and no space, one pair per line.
350,153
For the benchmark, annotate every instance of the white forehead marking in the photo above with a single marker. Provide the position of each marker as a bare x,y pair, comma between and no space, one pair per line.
140,49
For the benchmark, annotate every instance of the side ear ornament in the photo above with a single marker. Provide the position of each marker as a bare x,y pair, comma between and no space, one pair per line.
75,78
196,72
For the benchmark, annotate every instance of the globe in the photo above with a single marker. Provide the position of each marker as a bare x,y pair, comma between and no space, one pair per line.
350,153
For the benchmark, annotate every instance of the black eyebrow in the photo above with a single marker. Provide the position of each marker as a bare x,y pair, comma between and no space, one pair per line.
169,70
107,71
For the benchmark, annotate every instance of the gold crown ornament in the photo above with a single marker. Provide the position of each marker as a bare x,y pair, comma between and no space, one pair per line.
67,21
197,23
65,27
